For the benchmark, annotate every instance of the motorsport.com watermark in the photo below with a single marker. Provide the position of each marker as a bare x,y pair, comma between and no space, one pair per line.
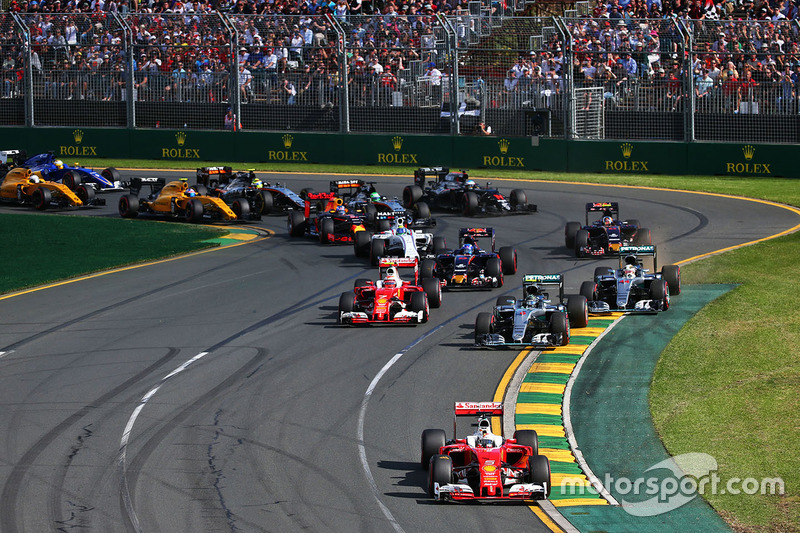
686,476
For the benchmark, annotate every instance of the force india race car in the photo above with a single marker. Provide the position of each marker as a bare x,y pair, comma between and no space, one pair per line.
469,266
454,191
324,216
398,241
533,320
484,467
177,200
263,197
362,198
48,167
632,287
606,235
391,299
22,186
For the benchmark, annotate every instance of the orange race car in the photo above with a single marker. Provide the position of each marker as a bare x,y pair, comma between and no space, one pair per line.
23,187
177,199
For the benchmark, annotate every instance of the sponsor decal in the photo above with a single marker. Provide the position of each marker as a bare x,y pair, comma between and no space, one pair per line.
503,160
748,167
626,164
287,154
397,157
180,152
77,149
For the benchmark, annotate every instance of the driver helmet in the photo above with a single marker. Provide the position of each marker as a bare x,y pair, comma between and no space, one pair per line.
470,184
467,249
58,164
607,221
375,197
191,192
341,210
35,179
401,230
257,183
630,271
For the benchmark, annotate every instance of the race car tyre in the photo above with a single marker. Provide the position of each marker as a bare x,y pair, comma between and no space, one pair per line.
603,271
672,275
589,290
528,437
264,202
71,179
361,243
419,302
432,442
633,222
581,242
484,324
41,198
361,282
505,300
560,324
411,195
540,471
383,225
297,224
570,230
201,189
439,245
441,472
376,251
494,269
578,311
305,192
508,257
659,291
433,289
346,304
370,212
194,210
241,208
427,268
518,198
326,228
85,193
421,211
470,204
128,206
642,237
111,174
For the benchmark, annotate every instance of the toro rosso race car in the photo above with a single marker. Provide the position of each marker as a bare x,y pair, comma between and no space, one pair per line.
263,197
469,266
391,299
454,191
606,235
177,200
22,186
398,241
362,198
325,217
48,167
484,467
533,320
631,287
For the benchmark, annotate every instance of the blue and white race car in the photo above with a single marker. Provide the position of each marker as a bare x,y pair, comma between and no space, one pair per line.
53,169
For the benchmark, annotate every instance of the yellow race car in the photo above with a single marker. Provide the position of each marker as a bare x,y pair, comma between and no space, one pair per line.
25,187
177,199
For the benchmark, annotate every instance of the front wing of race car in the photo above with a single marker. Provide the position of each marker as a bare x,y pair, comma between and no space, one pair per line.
641,306
539,340
461,492
401,317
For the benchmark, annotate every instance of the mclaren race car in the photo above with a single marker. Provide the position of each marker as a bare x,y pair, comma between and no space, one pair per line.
484,467
23,186
533,320
391,299
631,287
325,217
605,235
470,266
50,168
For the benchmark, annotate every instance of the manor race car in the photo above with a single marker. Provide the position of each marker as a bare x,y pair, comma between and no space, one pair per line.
325,217
52,169
632,287
469,266
533,320
398,241
454,191
22,186
177,200
391,299
263,197
484,467
361,197
605,235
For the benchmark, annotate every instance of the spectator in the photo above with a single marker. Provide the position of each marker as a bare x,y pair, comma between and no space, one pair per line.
289,91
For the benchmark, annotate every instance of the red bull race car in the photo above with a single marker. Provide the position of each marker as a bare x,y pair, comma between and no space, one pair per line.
325,217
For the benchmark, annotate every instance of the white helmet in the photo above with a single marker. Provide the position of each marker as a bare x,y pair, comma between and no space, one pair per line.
35,179
630,271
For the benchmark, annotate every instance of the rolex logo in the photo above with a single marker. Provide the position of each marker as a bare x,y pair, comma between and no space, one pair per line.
287,141
77,135
748,151
181,138
627,150
397,143
503,144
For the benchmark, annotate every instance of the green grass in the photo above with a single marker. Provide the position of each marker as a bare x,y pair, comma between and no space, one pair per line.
39,249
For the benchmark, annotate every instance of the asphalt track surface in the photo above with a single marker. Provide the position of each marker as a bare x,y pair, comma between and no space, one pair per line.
215,392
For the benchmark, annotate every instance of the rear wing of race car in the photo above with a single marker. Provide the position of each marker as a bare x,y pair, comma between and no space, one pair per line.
543,281
610,209
407,263
16,158
206,175
348,188
421,173
479,409
475,233
320,201
647,250
155,184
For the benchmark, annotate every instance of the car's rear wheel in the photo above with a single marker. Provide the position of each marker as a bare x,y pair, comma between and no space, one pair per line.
578,311
633,222
422,210
347,302
470,204
519,199
560,324
241,208
433,289
427,268
432,441
370,212
508,257
194,210
264,202
494,269
540,471
305,192
484,325
581,242
411,195
128,206
528,437
71,179
439,245
297,224
361,243
642,237
419,302
570,231
326,227
383,225
441,472
201,189
41,198
377,250
672,275
85,193
589,290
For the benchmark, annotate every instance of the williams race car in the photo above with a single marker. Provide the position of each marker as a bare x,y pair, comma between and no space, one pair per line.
263,197
454,191
632,287
22,186
469,266
177,200
361,197
533,320
398,241
606,235
484,467
391,299
52,169
325,217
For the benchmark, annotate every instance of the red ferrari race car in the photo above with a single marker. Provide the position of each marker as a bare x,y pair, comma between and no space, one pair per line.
484,467
324,216
391,299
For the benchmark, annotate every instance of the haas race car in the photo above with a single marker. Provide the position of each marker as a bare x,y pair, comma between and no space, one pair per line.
484,467
264,198
605,235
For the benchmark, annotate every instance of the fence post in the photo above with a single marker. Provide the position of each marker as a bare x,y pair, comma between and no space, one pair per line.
28,73
234,94
568,95
130,72
452,56
344,73
688,84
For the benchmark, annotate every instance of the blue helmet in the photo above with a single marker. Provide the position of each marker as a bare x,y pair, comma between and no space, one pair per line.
401,231
191,192
467,249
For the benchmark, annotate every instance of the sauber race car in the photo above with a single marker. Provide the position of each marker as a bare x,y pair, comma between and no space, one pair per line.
325,217
533,320
397,241
51,168
361,197
177,200
484,467
632,287
606,235
23,186
264,198
391,299
470,266
455,191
